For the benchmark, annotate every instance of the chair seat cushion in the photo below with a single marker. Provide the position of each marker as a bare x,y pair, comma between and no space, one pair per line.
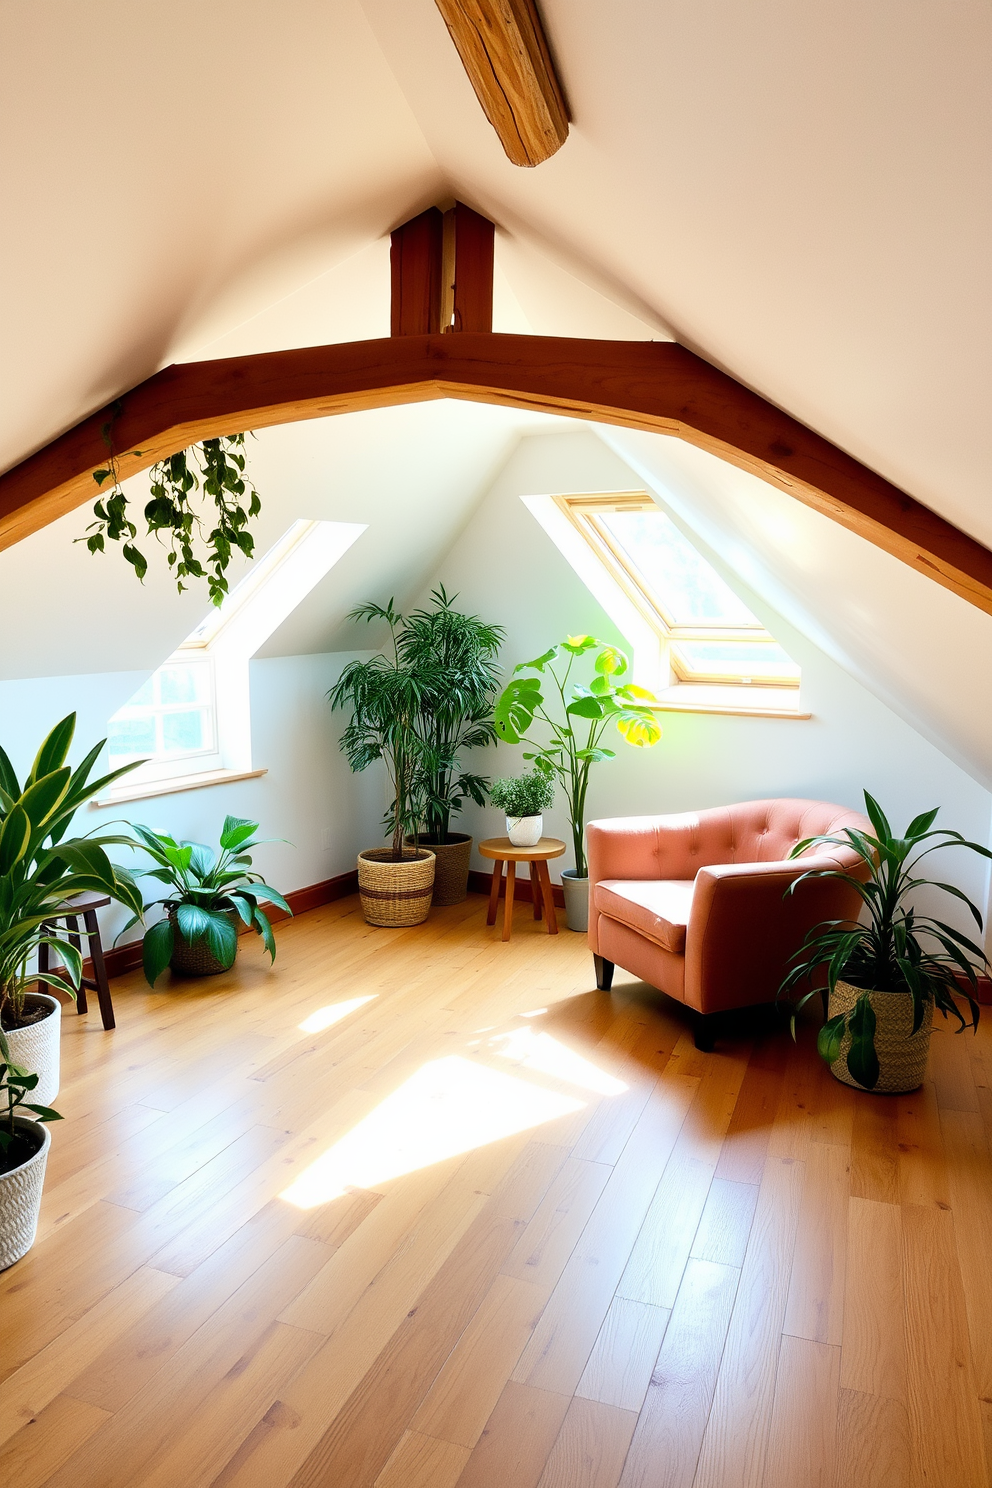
658,908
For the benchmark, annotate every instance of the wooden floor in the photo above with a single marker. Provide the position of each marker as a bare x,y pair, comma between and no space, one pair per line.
552,1246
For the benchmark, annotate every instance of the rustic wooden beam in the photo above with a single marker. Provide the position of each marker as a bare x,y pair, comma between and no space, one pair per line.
415,272
657,386
505,52
473,270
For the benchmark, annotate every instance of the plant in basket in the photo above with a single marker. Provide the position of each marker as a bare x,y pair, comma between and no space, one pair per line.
24,1146
212,893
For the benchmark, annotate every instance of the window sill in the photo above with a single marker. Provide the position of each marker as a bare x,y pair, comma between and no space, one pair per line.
743,702
142,791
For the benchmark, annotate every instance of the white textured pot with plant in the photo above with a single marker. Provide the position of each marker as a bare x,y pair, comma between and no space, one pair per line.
523,799
560,706
39,871
24,1144
884,978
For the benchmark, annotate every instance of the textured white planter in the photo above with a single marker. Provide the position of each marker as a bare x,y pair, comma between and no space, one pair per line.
37,1048
525,831
576,891
20,1197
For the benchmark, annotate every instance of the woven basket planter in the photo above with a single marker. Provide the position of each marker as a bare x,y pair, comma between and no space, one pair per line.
196,959
20,1196
902,1054
451,870
394,893
37,1048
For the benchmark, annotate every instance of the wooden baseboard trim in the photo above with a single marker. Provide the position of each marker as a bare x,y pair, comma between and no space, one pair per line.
983,996
121,959
482,883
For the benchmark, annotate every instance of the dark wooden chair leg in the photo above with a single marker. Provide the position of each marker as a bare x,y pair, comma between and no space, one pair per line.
704,1033
604,973
99,969
73,937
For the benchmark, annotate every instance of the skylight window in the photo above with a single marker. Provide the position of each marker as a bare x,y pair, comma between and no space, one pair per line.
708,635
191,721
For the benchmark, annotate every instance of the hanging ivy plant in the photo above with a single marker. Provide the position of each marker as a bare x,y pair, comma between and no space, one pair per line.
180,512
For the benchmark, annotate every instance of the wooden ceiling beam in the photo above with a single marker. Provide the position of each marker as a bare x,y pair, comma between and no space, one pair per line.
656,386
505,52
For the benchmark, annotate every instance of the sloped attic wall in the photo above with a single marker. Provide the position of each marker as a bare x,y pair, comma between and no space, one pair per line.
505,567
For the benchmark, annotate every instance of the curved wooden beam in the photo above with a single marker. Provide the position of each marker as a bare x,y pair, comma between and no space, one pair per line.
657,386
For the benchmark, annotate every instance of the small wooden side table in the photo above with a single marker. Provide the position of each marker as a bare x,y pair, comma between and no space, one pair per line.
501,850
83,907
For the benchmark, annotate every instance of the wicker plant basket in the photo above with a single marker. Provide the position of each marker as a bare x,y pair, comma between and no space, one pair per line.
37,1047
902,1054
451,871
196,959
20,1196
395,893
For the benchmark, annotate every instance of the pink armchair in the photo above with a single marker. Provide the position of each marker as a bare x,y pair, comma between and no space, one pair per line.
694,904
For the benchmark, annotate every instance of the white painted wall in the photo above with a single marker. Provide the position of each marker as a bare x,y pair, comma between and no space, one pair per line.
308,795
506,568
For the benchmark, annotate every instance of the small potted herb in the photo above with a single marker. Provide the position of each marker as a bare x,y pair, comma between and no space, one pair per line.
24,1144
523,798
212,895
885,977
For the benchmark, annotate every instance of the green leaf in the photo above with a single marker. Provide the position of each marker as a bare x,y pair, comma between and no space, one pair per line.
828,1040
265,930
192,922
515,708
43,1113
922,823
236,830
578,645
862,1060
15,834
54,749
586,707
642,730
156,951
222,938
611,662
8,779
539,662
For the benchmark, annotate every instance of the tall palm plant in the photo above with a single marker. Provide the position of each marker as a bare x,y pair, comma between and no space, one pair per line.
384,694
40,868
453,658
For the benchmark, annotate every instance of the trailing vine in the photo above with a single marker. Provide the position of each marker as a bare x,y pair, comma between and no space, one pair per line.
215,468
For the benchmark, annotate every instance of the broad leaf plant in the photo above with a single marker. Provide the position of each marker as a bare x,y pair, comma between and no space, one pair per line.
577,715
896,949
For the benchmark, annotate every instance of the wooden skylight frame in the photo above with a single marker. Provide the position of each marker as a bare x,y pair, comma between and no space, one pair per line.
582,512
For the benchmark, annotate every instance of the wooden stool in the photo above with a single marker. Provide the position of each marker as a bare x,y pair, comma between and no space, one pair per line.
84,907
502,850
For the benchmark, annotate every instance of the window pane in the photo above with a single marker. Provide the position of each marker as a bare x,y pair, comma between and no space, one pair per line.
130,738
145,696
688,589
183,732
182,684
764,660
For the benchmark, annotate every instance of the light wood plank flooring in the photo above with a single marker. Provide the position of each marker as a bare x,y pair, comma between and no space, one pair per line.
538,1241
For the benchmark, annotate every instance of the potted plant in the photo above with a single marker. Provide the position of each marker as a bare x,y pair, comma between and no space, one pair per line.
383,695
522,799
24,1144
453,658
212,895
885,977
568,756
39,870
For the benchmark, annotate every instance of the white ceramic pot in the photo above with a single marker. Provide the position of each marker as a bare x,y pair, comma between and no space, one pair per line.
576,891
36,1048
525,831
20,1196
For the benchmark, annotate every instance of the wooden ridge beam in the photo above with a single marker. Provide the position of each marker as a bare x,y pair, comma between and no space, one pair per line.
657,386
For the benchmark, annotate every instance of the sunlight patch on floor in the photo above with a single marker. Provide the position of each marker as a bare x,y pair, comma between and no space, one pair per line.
326,1017
449,1106
543,1053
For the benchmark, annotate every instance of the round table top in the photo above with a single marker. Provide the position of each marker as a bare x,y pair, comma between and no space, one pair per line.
502,847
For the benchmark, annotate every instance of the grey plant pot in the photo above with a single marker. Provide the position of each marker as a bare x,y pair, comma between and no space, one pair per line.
37,1048
576,891
20,1197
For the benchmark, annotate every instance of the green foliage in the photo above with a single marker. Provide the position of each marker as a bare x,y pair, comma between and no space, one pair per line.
895,950
15,1086
601,702
418,709
214,469
39,869
524,795
207,889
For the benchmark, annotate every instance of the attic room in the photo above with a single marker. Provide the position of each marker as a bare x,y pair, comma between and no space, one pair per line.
495,764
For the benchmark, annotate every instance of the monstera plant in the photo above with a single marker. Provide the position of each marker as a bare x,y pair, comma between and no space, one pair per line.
574,714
